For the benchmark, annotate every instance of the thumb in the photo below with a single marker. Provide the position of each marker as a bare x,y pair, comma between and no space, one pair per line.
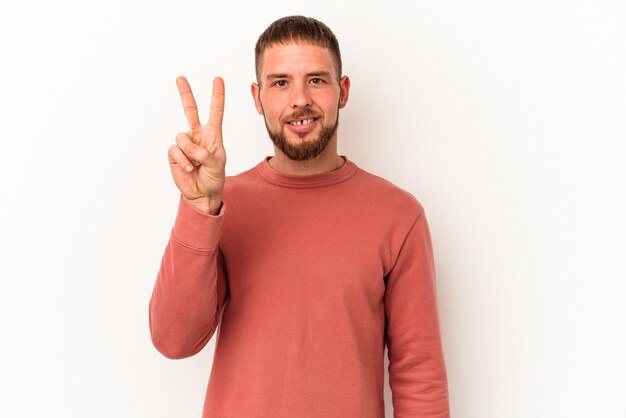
198,154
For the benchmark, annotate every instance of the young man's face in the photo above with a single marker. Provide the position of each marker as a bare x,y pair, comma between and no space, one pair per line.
300,96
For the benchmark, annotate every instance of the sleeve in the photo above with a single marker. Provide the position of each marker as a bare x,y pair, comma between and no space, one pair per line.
417,372
191,286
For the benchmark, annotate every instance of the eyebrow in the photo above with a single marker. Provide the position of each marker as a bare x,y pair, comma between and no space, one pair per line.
312,74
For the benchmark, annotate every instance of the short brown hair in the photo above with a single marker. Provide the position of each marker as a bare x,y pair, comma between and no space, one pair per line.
296,29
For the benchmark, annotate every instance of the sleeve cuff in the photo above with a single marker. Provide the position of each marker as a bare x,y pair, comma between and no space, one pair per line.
196,229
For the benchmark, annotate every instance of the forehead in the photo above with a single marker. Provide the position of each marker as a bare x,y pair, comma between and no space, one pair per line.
296,58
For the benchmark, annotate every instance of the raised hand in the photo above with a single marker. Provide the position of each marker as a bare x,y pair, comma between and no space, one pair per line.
198,158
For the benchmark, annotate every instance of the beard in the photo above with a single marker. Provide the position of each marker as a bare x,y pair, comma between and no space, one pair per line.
305,150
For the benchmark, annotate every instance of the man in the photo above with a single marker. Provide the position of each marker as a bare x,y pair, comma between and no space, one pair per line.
308,264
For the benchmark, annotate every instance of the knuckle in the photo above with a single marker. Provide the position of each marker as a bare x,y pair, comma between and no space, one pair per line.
181,159
182,138
172,150
175,154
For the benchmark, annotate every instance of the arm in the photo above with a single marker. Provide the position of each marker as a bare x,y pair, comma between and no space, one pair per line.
417,373
191,286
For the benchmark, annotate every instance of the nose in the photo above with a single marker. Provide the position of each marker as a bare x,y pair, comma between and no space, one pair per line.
300,96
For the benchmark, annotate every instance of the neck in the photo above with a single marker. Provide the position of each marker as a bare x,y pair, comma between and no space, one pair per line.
327,161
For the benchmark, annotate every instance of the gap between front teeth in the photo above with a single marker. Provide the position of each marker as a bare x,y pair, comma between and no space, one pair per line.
302,122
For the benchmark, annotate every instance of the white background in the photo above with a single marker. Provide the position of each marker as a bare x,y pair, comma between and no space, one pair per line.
506,119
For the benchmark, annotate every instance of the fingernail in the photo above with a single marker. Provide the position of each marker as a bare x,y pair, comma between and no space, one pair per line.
188,168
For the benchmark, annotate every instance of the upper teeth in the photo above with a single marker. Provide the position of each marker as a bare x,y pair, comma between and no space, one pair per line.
302,122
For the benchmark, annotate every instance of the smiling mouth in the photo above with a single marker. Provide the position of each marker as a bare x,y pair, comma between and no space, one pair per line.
302,122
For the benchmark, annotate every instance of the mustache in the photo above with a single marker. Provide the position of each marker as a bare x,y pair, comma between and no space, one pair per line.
303,113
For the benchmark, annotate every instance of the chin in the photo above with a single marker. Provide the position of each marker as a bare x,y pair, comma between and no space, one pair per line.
299,139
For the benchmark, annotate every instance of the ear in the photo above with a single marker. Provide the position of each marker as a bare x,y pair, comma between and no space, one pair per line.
256,91
344,85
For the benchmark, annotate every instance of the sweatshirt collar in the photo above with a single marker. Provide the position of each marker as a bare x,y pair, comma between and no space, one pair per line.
343,173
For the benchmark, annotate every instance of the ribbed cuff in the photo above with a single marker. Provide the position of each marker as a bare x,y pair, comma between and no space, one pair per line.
196,229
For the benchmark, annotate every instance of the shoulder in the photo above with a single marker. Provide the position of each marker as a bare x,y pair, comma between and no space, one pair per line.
390,195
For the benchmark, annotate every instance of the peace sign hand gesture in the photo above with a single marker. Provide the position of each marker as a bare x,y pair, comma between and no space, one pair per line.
198,159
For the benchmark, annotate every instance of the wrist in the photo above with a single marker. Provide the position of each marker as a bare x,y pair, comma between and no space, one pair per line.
215,205
206,205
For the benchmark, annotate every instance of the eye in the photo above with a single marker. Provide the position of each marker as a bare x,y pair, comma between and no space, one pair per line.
280,83
316,80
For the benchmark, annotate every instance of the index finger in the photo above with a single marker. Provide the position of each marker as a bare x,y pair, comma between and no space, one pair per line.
189,103
216,114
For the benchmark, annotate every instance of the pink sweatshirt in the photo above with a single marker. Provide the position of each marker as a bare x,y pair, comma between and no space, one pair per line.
307,278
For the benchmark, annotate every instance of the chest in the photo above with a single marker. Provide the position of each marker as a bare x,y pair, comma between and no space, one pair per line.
301,250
